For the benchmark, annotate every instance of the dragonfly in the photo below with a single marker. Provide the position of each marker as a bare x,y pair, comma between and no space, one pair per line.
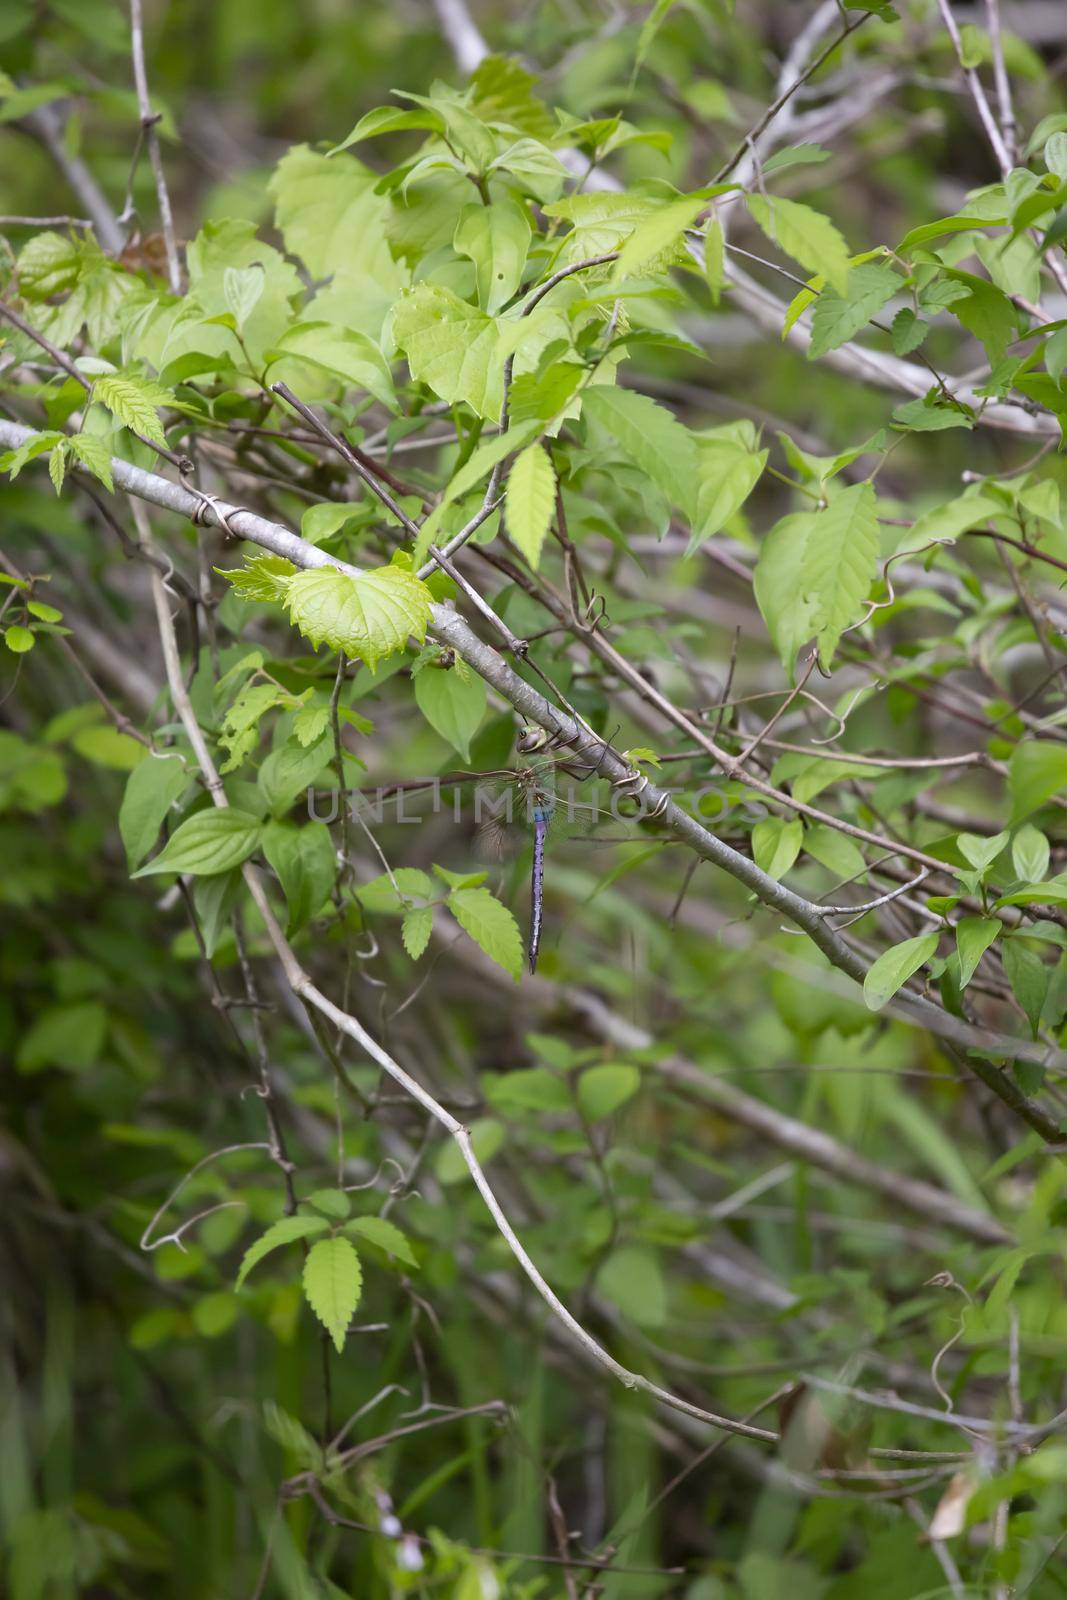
538,804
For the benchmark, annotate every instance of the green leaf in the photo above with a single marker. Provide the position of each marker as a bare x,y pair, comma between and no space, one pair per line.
330,215
293,1437
604,1089
632,1279
262,578
1030,853
907,331
243,288
974,935
132,400
652,438
895,967
838,318
981,852
526,1089
496,238
656,234
333,1280
776,845
453,700
284,1231
1029,979
815,571
208,842
1038,770
1052,893
370,616
804,234
386,1235
331,1202
530,501
151,789
487,1137
69,1036
305,863
214,900
18,639
715,259
926,416
107,747
491,926
729,468
453,348
344,352
415,930
381,895
94,455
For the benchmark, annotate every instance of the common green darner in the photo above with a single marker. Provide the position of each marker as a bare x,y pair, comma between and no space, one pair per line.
529,796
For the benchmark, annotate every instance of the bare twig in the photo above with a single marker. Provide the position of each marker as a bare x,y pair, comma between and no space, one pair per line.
150,133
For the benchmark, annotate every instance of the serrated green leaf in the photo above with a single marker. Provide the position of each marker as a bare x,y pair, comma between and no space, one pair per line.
804,234
530,501
132,400
491,926
895,967
729,467
209,842
263,578
839,317
333,1280
284,1231
367,617
386,1235
415,930
651,436
840,563
93,454
657,233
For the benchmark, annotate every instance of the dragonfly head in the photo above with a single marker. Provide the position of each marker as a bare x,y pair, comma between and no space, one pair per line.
530,738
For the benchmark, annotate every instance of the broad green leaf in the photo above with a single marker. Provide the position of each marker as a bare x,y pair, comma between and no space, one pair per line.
370,616
840,563
526,1089
69,1036
974,935
305,863
487,1137
214,900
776,845
804,234
331,1203
1030,853
496,238
656,234
243,287
604,1089
390,119
386,1235
980,851
530,501
779,587
652,438
349,355
1029,979
208,842
1038,771
729,467
945,523
895,967
151,790
105,746
330,215
907,331
927,416
18,639
453,348
838,318
333,1280
388,892
632,1279
284,1231
132,400
491,926
453,701
292,769
1052,893
415,930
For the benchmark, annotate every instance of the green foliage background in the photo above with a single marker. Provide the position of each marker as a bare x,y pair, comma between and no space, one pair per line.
261,1335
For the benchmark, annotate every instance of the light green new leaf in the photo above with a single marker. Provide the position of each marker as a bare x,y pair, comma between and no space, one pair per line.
530,501
330,216
603,1089
776,845
19,640
151,790
263,578
352,356
632,1279
729,468
491,925
132,400
93,454
415,930
243,288
974,935
480,465
452,347
496,238
895,967
779,586
656,234
715,259
386,1235
370,616
284,1231
1030,853
1038,771
804,234
840,563
331,1202
333,1280
838,318
453,701
208,842
653,439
